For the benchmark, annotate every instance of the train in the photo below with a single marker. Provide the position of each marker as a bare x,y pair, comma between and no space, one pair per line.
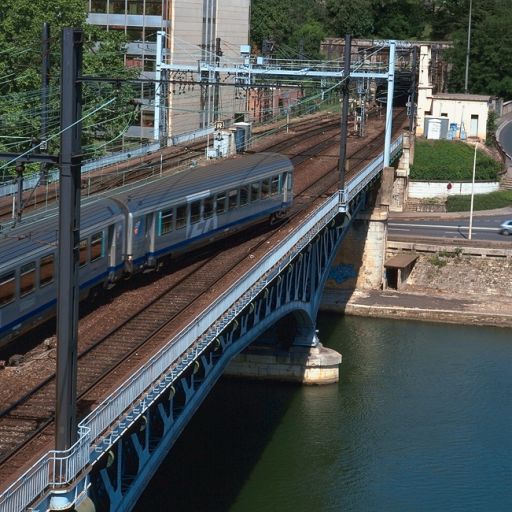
134,228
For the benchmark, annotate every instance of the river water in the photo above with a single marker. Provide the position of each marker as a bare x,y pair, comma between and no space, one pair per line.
421,420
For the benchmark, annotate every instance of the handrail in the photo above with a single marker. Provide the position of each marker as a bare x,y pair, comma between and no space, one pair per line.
56,469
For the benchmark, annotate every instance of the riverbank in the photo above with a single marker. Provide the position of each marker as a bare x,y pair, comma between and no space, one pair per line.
445,308
444,286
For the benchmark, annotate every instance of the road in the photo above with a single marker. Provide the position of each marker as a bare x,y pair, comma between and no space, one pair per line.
484,228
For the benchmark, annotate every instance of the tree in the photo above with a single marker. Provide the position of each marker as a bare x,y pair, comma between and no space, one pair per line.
399,19
490,63
351,17
20,64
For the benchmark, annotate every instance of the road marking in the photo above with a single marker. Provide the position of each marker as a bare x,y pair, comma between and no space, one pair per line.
439,226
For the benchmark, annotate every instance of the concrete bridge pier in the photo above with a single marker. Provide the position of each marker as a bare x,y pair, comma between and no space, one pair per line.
314,364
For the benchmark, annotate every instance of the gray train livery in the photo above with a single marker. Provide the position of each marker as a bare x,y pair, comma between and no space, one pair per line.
134,228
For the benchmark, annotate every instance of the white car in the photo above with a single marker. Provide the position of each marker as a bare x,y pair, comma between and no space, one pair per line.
506,228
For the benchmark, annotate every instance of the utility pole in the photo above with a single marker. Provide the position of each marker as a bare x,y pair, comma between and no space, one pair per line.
69,240
468,49
45,84
216,98
412,100
344,110
389,103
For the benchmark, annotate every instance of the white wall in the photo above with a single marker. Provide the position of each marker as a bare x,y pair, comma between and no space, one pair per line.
426,189
461,111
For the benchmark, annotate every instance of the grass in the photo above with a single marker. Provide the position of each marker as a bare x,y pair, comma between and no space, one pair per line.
499,199
446,160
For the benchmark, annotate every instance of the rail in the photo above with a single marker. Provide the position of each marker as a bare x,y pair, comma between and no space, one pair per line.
57,469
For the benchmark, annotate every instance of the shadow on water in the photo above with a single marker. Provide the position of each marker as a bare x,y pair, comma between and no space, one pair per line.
200,454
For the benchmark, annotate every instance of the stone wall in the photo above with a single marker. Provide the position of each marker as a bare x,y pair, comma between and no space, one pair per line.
453,274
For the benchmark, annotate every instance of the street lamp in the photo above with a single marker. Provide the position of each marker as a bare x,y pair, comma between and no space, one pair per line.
468,48
472,195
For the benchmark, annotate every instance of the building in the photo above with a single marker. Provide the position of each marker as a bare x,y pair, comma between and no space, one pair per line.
448,116
207,30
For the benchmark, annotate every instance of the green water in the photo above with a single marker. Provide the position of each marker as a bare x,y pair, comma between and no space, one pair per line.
421,420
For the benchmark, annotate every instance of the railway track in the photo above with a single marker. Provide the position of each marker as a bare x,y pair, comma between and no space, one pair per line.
138,169
26,426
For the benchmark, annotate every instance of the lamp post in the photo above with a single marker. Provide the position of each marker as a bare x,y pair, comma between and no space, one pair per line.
468,48
472,195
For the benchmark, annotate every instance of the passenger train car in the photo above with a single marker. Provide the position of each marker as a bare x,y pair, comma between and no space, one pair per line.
135,227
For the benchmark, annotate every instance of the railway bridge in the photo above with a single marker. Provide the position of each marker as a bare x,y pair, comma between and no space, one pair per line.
122,442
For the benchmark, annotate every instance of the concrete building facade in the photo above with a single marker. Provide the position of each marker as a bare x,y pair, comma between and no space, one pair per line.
206,30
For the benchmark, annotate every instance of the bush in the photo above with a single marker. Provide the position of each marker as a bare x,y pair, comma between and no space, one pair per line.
498,199
444,160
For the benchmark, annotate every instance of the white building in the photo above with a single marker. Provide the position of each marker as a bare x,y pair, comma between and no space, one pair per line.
448,116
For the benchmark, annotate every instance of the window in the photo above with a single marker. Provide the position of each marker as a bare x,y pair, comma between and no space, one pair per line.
166,219
444,114
195,212
99,6
265,188
135,6
149,64
134,34
153,8
208,207
83,252
148,119
274,185
244,195
233,199
181,216
27,278
255,191
97,246
116,7
220,203
46,270
7,288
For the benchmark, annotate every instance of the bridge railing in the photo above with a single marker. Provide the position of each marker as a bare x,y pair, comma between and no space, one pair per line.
56,469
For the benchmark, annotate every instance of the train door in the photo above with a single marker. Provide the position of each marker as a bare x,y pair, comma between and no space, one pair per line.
287,187
140,239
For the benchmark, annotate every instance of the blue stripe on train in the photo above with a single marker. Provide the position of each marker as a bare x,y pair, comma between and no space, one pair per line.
169,248
84,286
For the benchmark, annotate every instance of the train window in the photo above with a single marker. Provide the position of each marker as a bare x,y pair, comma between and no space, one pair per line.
46,270
208,207
244,195
181,216
7,288
255,191
195,212
27,278
166,220
274,185
97,246
83,252
233,199
265,188
220,203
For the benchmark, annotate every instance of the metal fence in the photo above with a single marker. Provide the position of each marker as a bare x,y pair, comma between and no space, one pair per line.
57,469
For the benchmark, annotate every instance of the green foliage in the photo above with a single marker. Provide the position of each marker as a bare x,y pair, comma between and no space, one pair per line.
451,160
21,24
351,17
437,261
499,199
491,128
490,60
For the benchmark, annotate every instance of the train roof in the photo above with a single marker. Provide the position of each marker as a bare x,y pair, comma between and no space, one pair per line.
199,181
35,233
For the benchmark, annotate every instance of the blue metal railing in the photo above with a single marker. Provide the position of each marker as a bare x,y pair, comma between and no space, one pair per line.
125,404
